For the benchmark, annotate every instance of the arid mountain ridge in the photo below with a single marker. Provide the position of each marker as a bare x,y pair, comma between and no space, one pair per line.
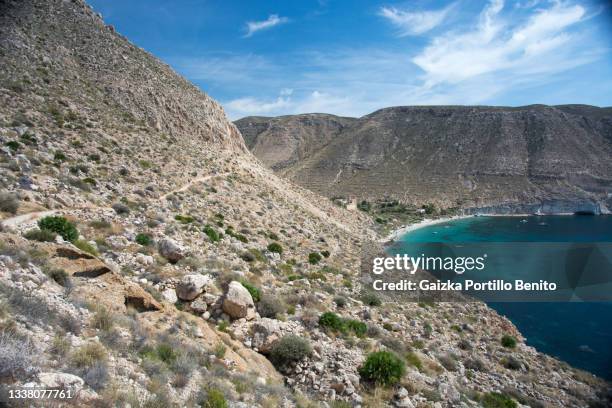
537,158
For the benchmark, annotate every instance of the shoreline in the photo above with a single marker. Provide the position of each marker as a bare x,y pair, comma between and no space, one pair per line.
393,235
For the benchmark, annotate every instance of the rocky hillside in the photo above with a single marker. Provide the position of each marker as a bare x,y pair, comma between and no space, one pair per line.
527,159
287,140
147,259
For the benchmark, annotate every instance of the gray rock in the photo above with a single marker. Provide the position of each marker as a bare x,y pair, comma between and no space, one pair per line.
170,250
238,301
191,286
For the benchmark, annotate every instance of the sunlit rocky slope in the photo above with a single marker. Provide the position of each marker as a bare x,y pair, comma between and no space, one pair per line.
551,159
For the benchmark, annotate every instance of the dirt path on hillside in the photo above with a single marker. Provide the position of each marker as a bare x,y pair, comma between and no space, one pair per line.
16,221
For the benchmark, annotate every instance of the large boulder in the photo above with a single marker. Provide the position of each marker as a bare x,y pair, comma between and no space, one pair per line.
171,250
238,302
191,286
266,332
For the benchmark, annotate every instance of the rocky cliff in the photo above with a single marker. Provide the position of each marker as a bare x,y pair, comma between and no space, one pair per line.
546,158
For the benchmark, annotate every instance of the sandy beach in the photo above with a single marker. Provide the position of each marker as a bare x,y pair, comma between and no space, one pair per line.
426,222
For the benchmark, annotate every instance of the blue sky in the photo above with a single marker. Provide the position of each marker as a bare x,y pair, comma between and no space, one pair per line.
353,57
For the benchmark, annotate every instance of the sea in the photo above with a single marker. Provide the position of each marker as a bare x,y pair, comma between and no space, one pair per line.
572,323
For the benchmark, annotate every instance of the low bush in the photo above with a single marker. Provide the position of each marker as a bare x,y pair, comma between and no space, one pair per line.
59,276
102,319
212,234
253,290
214,399
86,247
371,299
121,208
89,355
9,203
512,363
332,321
60,226
184,219
325,254
314,258
340,301
230,231
275,247
357,327
414,360
497,400
17,357
508,341
289,349
382,368
100,224
270,307
97,376
143,239
59,156
40,235
475,364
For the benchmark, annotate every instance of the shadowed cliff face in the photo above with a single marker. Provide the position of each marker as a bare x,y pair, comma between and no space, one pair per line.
452,156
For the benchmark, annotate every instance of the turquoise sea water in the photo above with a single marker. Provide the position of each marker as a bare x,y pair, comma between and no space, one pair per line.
577,332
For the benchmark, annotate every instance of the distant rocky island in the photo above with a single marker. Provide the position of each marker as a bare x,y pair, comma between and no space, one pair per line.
480,159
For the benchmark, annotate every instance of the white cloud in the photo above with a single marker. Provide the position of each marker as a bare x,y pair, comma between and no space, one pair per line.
415,22
255,26
500,55
539,45
253,106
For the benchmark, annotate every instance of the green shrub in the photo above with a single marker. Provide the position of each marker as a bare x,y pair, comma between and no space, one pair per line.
340,301
332,321
184,219
364,206
89,355
382,368
497,400
508,341
414,360
100,224
40,235
325,254
121,208
230,231
213,235
9,203
13,145
289,349
270,307
165,353
371,299
59,156
357,327
59,276
314,258
61,226
275,247
254,291
90,180
214,399
144,239
86,247
102,319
